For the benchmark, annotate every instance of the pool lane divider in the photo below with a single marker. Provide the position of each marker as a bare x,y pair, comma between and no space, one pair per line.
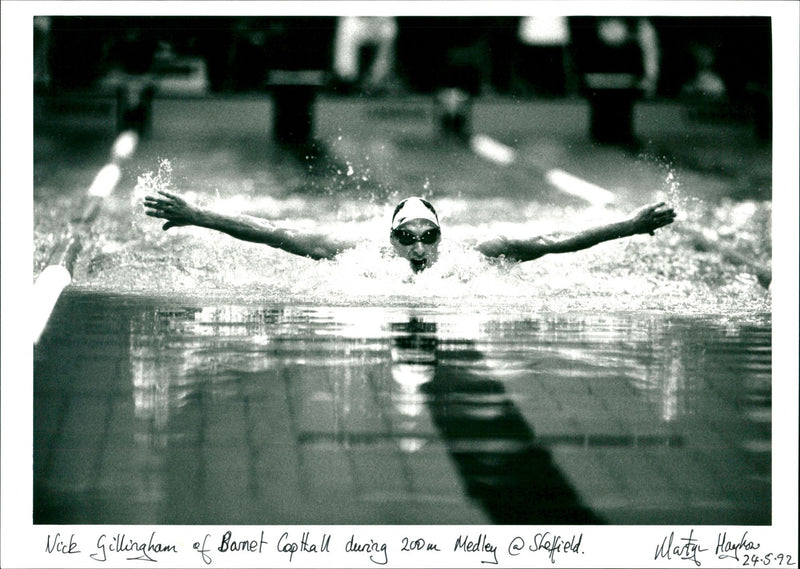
499,153
60,264
701,239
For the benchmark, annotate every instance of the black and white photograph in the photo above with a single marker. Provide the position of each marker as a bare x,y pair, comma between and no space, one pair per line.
402,284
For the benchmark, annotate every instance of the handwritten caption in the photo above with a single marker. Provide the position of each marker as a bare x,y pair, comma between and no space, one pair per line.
295,545
544,548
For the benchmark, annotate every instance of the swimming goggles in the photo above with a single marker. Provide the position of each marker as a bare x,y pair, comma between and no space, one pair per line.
407,238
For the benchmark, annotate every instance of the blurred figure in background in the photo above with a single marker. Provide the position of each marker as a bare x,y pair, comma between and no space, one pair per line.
618,59
41,52
707,82
131,57
542,63
364,52
464,70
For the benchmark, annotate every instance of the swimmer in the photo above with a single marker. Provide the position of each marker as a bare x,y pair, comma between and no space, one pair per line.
415,232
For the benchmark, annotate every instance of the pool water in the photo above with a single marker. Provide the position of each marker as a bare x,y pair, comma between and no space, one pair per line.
369,163
189,378
165,410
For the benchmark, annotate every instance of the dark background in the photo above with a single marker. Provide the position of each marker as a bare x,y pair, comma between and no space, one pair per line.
239,51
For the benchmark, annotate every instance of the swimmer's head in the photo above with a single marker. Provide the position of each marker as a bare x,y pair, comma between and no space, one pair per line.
416,233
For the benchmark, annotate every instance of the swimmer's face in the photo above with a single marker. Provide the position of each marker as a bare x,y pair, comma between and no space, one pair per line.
418,241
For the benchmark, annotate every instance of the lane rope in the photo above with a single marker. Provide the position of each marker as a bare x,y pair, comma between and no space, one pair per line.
57,276
499,153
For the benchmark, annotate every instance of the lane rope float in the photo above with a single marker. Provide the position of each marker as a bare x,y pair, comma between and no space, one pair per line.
499,153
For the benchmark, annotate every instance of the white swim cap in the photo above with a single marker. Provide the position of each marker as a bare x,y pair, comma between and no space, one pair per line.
413,208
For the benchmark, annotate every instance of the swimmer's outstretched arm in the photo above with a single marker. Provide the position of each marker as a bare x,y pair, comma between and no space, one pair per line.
179,212
644,220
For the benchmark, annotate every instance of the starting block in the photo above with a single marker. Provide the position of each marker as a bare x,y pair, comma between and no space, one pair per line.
293,95
611,99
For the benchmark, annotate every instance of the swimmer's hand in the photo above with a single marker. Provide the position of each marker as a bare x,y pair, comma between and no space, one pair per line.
176,210
650,217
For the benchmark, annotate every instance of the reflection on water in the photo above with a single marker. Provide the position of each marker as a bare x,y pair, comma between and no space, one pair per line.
493,447
148,412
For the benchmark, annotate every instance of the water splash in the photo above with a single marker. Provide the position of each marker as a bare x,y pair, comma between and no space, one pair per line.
153,182
659,274
129,253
